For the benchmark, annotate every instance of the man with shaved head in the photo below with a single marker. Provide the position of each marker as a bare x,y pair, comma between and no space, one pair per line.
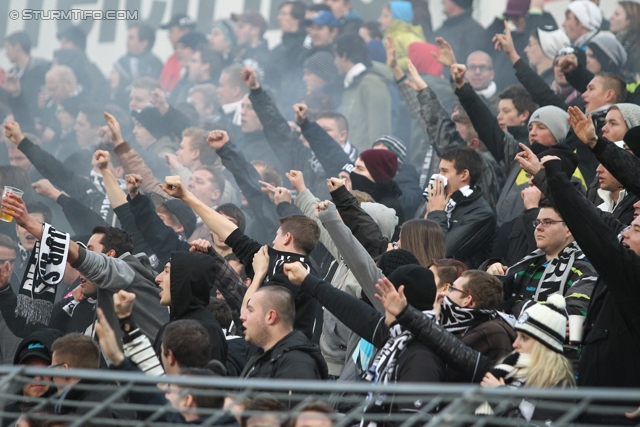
278,350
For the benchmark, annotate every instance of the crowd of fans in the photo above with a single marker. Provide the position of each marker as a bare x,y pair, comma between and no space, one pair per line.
366,201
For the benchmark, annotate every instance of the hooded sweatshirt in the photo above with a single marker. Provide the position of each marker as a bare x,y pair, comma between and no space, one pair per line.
192,277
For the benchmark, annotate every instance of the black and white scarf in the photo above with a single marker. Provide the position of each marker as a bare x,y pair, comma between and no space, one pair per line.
456,197
458,320
41,277
557,271
383,370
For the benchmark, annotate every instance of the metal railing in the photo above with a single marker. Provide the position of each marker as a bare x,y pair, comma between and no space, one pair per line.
418,403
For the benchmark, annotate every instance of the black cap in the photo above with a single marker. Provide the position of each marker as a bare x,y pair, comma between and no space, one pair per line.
193,39
180,209
179,20
35,349
632,139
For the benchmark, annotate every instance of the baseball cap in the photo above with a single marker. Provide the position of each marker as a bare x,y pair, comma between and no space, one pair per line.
179,20
324,18
180,209
36,349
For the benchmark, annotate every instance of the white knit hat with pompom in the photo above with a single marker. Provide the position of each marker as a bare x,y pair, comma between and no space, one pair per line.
546,322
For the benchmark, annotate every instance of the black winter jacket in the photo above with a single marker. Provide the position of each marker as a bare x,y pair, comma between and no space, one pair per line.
470,231
294,356
612,341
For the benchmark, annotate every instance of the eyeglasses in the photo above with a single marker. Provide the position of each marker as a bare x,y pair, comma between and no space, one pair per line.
57,365
545,223
481,68
452,289
11,261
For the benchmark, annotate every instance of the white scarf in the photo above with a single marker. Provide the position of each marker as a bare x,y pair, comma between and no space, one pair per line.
489,91
354,72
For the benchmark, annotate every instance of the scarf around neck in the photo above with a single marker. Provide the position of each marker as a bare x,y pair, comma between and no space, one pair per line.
458,320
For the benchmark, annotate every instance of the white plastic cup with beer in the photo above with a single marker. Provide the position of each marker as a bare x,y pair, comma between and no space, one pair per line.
9,190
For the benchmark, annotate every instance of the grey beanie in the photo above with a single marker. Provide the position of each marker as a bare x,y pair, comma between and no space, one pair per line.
611,47
321,64
556,119
551,41
630,113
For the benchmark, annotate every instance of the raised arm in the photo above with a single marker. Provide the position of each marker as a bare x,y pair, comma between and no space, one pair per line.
358,260
216,222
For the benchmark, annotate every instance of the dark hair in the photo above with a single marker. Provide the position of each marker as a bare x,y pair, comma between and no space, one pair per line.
424,238
213,58
632,10
16,177
339,118
94,113
616,83
204,396
262,403
145,34
110,148
242,273
77,351
189,342
374,29
21,38
9,243
41,208
304,230
485,288
521,99
229,209
114,238
280,299
221,311
298,9
448,269
353,47
546,203
465,158
319,407
269,173
190,112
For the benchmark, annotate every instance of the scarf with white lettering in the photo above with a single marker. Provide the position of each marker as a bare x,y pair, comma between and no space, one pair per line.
43,273
458,320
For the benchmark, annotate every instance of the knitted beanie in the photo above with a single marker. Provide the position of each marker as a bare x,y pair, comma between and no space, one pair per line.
546,323
394,144
401,10
555,118
632,139
391,260
419,285
630,113
321,64
517,7
552,40
465,4
151,119
587,13
420,54
227,28
609,52
381,164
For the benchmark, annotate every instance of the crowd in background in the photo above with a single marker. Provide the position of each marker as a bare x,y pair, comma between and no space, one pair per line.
365,201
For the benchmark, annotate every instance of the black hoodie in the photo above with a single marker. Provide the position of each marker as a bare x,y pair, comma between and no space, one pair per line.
192,277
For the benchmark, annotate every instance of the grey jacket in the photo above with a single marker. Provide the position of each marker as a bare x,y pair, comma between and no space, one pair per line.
131,273
335,335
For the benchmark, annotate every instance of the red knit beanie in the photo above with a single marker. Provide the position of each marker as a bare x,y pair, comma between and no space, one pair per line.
420,54
381,164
